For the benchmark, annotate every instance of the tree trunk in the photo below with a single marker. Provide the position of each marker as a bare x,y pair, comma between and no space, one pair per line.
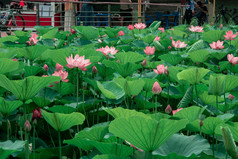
69,18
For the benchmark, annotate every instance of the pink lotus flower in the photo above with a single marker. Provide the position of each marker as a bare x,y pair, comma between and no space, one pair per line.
33,39
73,31
175,111
156,88
59,67
149,50
144,63
169,47
14,59
63,75
196,29
233,60
77,61
36,113
230,36
157,38
130,27
171,38
178,44
161,70
231,97
46,68
121,33
94,70
161,29
217,45
134,146
140,26
168,109
44,75
108,50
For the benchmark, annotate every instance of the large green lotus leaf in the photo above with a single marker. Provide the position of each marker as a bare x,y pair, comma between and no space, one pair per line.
196,46
81,143
191,113
22,36
7,53
87,52
229,143
130,86
144,133
213,36
41,101
43,29
32,70
104,71
108,156
113,148
226,117
32,52
155,25
123,69
8,38
95,133
65,88
183,146
231,82
209,99
149,38
159,116
199,55
171,59
62,122
219,55
217,68
51,33
210,124
124,113
144,104
7,107
62,109
177,32
126,39
90,33
148,83
193,75
58,56
158,46
187,98
111,90
27,88
173,71
216,85
7,65
233,126
8,147
174,155
132,57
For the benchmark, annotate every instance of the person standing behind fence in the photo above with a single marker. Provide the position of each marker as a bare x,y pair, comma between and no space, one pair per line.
126,12
189,11
87,13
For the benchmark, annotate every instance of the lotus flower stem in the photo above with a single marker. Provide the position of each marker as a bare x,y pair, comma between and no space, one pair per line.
26,146
34,141
125,102
196,92
60,150
50,135
217,103
77,90
8,128
84,109
213,148
225,103
168,91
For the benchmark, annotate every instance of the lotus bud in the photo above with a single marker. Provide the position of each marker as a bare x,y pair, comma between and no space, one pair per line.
46,68
197,63
171,38
169,47
221,26
14,59
27,126
73,31
54,39
156,88
212,24
94,70
168,109
231,97
218,67
144,63
34,121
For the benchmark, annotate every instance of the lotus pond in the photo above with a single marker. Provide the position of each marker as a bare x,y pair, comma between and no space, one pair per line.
119,93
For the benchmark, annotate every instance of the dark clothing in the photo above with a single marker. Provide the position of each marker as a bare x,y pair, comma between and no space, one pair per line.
201,15
188,13
87,15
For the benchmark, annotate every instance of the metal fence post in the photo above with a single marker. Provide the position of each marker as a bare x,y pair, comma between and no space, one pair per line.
109,15
37,14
